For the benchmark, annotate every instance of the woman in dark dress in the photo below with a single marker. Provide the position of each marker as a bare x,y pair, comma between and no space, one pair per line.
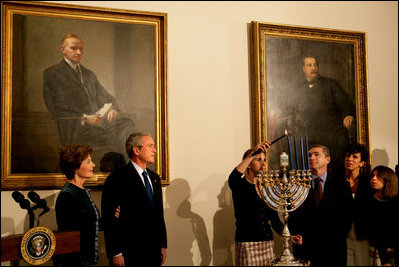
358,183
75,209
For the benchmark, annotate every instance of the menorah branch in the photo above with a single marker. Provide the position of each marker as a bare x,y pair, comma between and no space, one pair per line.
284,194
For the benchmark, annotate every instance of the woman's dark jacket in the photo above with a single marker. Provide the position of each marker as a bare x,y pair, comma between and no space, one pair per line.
75,212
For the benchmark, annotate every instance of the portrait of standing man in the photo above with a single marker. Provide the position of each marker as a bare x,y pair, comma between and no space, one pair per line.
311,92
323,110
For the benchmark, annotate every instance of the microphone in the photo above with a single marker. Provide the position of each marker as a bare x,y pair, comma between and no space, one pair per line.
24,204
45,210
33,196
17,196
40,203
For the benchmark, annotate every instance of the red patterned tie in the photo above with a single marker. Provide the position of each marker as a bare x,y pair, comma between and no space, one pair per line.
318,191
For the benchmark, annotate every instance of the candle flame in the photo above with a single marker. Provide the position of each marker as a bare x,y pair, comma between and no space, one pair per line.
286,132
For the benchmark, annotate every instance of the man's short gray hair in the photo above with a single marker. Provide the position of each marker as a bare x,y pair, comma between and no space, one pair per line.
133,140
326,150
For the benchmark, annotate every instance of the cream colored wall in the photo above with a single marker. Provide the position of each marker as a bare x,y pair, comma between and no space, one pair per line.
209,108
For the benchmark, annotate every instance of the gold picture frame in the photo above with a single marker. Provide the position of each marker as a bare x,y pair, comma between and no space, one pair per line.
277,56
127,51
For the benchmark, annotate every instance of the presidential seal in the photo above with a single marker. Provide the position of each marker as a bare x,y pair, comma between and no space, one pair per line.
38,245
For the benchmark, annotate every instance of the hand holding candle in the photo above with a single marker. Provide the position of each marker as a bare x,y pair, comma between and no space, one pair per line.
271,143
284,135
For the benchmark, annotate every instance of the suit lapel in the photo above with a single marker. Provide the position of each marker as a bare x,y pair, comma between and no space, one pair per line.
137,181
134,175
327,188
71,75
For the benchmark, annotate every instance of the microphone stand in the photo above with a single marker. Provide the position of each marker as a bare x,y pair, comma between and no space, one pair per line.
25,205
31,218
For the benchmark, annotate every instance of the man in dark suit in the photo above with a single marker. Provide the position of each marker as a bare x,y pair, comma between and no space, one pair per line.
325,112
138,236
320,220
320,108
74,97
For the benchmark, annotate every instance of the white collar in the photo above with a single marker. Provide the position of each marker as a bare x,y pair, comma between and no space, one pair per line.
137,167
72,64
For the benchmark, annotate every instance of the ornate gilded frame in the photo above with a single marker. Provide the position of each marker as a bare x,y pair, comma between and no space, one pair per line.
80,15
262,35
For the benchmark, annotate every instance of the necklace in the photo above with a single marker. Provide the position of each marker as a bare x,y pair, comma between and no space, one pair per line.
250,180
353,183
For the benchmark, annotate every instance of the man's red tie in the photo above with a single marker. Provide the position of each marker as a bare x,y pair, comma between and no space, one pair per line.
318,190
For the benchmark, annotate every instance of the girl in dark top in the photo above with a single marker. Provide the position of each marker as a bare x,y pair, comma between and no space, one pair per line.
253,237
75,209
383,208
358,184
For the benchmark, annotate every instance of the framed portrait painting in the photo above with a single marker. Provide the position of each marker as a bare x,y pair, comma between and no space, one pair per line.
312,83
118,87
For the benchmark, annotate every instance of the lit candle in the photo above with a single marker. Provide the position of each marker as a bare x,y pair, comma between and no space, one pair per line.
307,152
303,158
296,154
289,150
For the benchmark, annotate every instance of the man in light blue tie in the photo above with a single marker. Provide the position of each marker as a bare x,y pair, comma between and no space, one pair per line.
138,236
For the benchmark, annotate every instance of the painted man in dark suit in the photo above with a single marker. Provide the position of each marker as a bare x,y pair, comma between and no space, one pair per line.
320,220
319,108
74,96
138,236
325,112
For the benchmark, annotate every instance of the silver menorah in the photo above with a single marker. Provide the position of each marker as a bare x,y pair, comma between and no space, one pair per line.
284,194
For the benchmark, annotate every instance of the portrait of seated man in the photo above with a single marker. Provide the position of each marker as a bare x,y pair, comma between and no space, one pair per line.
83,109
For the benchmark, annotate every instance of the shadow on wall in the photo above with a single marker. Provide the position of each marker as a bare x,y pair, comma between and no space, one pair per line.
187,227
47,219
7,226
379,157
224,229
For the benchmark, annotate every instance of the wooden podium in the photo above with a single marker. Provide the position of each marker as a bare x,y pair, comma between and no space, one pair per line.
66,242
